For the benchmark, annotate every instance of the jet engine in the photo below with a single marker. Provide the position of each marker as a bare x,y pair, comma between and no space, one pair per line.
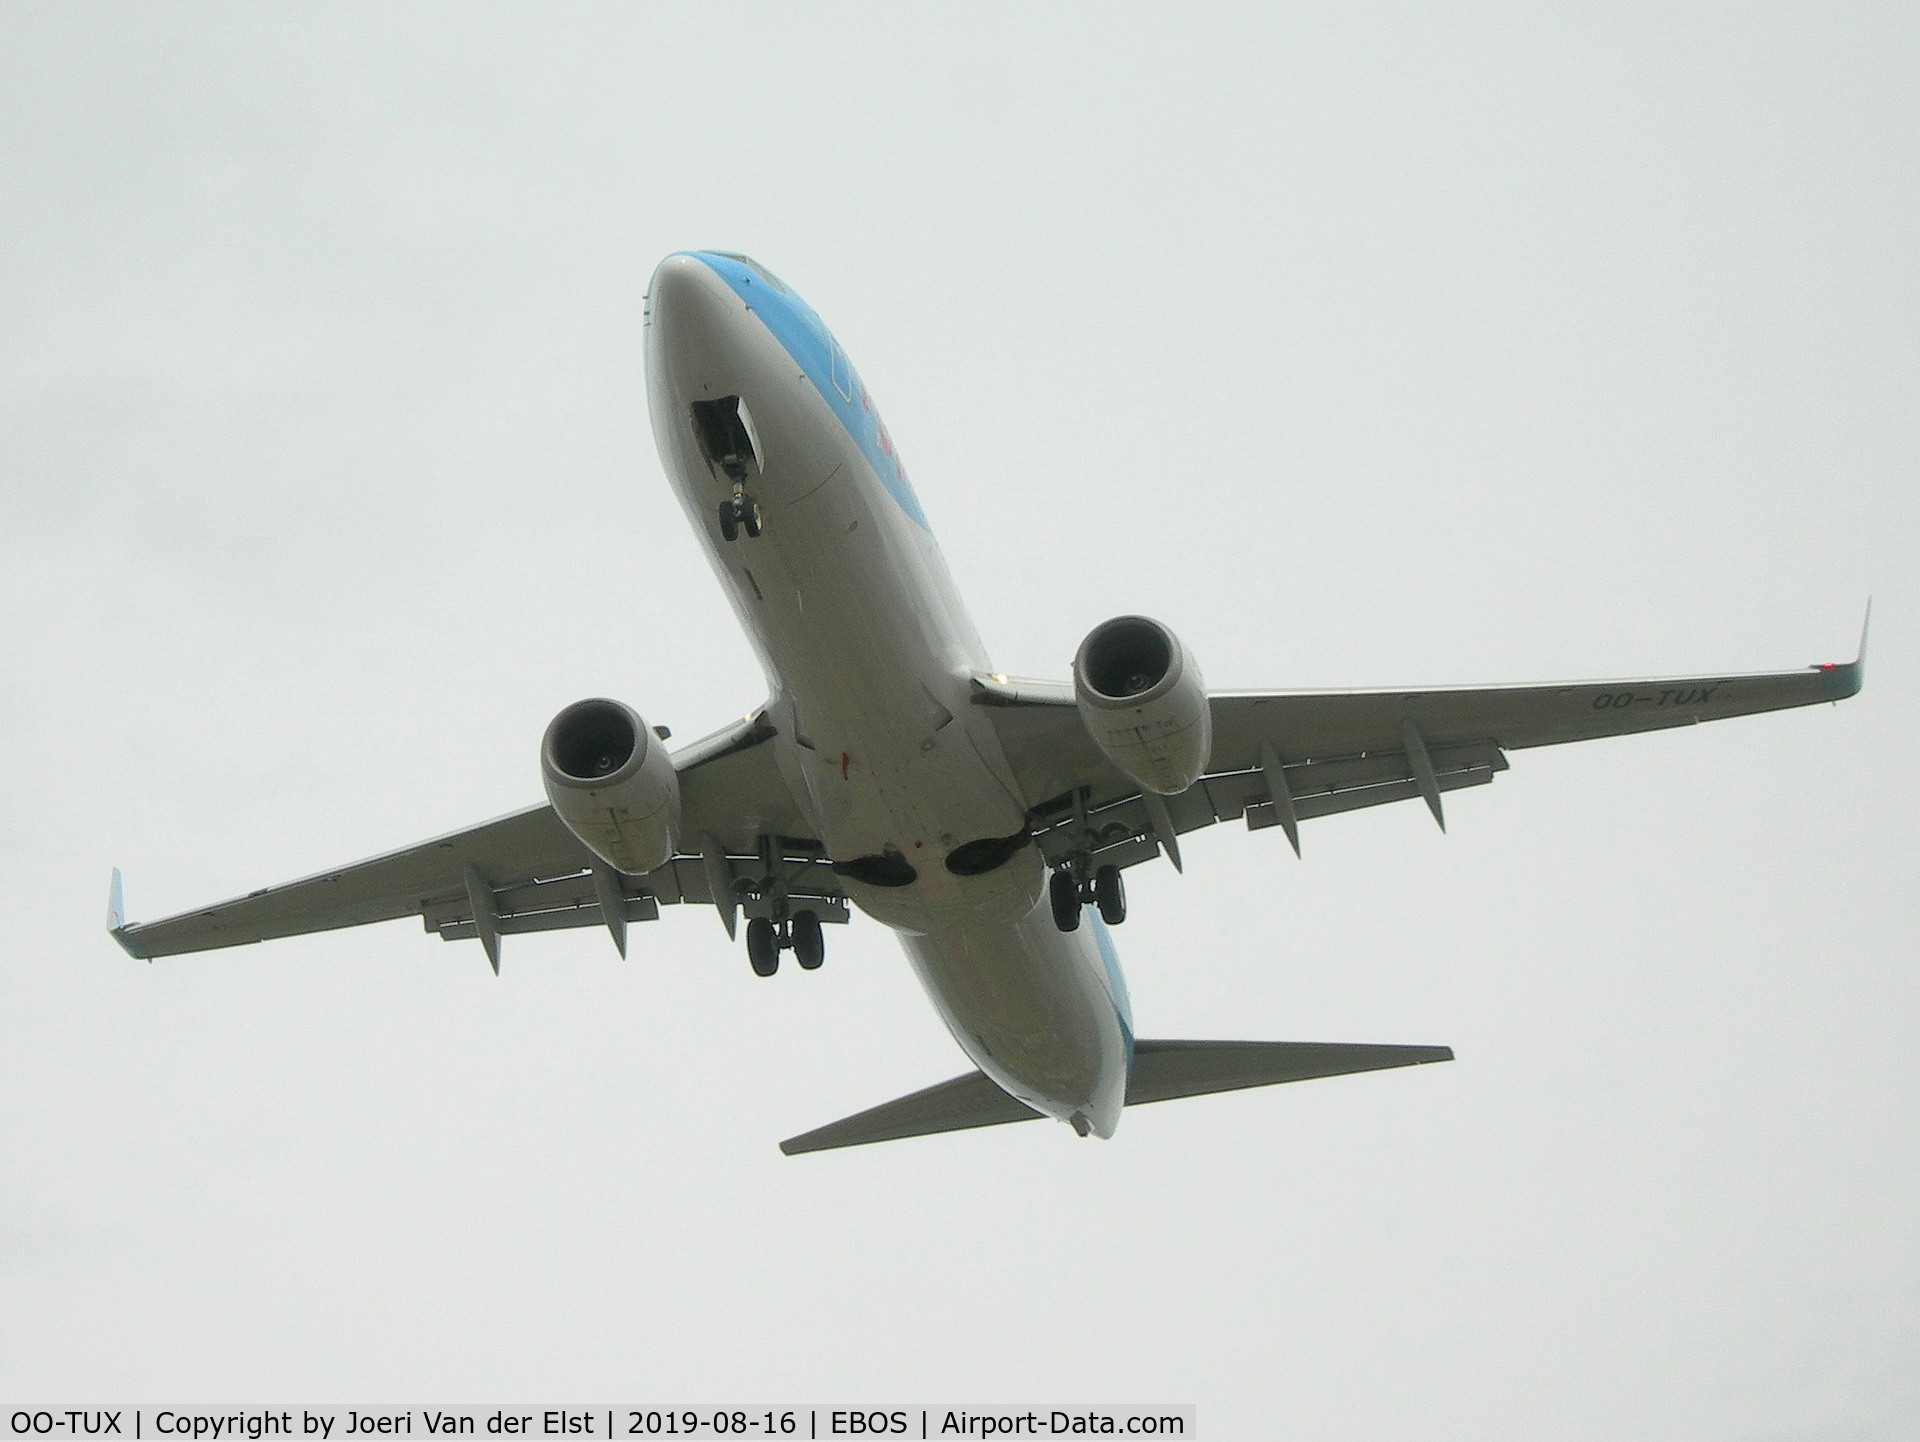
612,783
1143,702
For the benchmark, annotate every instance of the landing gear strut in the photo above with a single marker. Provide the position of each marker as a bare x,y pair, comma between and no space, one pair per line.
801,935
1068,891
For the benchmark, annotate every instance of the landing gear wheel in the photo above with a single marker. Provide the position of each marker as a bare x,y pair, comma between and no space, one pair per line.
1063,892
809,946
763,947
750,516
1110,895
729,521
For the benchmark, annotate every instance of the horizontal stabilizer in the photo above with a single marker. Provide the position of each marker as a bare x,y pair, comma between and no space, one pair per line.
1162,1070
966,1101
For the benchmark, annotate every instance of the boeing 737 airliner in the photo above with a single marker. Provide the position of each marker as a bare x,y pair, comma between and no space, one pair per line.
986,820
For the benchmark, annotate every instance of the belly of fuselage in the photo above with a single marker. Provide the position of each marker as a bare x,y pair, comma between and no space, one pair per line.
846,599
870,657
1036,1009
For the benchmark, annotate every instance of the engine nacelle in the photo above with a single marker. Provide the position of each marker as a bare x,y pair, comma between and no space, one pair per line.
1144,704
612,783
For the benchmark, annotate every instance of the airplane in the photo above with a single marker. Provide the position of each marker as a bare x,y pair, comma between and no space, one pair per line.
987,820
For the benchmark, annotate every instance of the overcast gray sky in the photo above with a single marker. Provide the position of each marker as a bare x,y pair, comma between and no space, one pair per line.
1405,344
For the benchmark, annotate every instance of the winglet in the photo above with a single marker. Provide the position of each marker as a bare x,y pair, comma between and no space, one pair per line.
1846,679
117,920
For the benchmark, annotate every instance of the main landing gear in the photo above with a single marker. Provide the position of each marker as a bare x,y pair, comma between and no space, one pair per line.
801,935
1069,889
739,512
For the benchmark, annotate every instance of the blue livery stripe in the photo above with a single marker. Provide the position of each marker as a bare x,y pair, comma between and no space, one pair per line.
806,338
1116,983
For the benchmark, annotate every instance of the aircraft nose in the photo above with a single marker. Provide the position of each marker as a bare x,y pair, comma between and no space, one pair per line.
684,288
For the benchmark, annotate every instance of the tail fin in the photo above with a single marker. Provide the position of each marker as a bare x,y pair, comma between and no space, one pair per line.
1162,1070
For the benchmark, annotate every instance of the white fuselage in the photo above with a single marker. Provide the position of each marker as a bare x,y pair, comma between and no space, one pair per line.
869,656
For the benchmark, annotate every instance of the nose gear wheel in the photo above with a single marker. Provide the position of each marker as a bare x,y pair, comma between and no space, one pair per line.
740,512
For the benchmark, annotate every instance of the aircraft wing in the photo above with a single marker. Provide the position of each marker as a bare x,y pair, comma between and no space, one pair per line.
526,871
1282,757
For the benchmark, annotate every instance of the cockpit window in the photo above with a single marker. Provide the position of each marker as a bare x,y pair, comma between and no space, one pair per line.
753,265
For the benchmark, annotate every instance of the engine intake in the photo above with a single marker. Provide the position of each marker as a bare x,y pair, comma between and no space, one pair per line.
613,785
1143,702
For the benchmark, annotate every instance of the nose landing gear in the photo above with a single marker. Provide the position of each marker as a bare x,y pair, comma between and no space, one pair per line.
739,512
725,433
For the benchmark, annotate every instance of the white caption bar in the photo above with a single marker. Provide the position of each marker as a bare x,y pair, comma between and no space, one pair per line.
603,1423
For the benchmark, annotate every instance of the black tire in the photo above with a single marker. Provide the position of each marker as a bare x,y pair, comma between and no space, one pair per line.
1110,895
763,947
809,945
729,521
750,518
1064,893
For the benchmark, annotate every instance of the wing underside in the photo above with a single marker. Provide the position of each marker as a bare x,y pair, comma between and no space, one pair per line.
526,872
1283,757
1279,758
